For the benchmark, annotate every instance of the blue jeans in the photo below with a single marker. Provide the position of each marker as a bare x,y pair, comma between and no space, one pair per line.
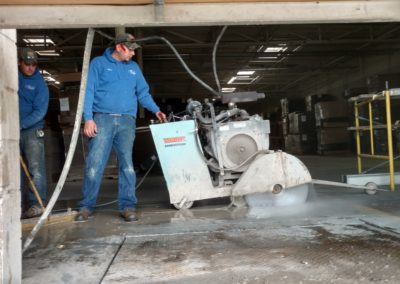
112,131
32,151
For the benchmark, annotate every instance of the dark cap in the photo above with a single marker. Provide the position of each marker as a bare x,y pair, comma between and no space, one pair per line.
128,40
28,55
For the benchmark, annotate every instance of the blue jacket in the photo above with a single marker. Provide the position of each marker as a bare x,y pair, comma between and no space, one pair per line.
116,87
33,95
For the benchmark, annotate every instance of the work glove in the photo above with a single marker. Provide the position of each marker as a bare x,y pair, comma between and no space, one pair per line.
161,116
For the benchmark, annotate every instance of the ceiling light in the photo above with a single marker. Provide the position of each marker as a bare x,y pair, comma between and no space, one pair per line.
227,90
48,53
276,49
231,80
268,57
246,72
45,72
260,49
242,80
50,80
38,41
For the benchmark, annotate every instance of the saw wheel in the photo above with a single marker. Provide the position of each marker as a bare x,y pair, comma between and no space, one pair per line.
371,189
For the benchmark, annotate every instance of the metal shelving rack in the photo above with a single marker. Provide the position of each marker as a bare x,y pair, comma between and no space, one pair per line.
367,99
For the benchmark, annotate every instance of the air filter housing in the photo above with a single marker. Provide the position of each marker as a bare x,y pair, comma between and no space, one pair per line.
240,140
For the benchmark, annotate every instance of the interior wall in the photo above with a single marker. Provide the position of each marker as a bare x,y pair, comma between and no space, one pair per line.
10,211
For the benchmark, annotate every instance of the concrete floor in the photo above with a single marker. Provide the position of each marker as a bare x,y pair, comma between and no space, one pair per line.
338,236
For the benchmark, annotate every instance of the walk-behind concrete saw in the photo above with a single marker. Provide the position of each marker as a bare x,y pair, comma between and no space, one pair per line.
208,154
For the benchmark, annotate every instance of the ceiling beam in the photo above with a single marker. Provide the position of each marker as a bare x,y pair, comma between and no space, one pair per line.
233,13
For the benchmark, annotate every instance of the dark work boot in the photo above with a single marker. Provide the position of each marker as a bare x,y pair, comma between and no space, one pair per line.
129,214
83,215
33,211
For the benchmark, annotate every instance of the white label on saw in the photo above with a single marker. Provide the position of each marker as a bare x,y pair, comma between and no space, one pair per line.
239,124
224,128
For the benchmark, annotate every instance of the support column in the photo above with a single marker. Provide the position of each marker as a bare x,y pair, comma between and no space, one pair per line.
119,30
10,205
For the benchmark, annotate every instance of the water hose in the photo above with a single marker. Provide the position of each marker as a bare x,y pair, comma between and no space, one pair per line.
72,146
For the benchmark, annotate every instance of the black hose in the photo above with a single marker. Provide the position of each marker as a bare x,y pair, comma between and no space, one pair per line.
181,61
214,57
219,117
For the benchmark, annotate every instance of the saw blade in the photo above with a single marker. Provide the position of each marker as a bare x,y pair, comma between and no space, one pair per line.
287,197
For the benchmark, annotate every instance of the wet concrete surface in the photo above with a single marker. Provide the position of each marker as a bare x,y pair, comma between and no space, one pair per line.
337,236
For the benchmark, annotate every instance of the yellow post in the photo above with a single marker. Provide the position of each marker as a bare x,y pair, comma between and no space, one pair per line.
357,122
390,140
371,129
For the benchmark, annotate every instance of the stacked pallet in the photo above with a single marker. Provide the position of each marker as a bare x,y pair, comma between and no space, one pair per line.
311,100
331,120
300,138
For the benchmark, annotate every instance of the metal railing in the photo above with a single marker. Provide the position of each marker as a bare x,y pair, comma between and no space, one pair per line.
368,99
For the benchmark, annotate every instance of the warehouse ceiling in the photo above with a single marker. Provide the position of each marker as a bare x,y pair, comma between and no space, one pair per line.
273,59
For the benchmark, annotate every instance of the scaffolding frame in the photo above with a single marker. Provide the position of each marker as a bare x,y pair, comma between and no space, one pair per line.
367,99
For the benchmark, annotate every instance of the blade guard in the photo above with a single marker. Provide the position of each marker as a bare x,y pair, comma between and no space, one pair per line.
278,168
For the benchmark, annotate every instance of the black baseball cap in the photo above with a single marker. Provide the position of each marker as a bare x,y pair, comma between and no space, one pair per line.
128,40
28,55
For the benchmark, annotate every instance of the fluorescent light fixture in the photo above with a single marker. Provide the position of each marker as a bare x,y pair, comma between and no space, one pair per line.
242,80
45,72
297,48
48,53
276,49
227,90
246,72
38,41
51,80
260,49
231,80
268,57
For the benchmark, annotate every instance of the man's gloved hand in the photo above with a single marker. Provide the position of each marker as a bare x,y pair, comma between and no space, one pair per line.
161,116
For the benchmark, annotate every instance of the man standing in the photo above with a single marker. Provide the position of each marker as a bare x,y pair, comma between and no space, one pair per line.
115,86
33,95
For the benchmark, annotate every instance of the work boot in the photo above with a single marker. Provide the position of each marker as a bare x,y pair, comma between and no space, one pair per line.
83,215
33,211
129,214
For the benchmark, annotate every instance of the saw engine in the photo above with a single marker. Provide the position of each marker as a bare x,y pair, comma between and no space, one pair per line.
223,151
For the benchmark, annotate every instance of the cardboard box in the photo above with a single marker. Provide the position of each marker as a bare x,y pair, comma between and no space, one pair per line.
310,101
332,112
334,135
301,122
300,143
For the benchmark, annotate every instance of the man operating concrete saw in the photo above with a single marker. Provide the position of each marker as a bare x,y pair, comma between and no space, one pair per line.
115,86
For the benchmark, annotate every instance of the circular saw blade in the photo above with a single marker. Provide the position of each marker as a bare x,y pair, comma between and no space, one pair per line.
288,197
